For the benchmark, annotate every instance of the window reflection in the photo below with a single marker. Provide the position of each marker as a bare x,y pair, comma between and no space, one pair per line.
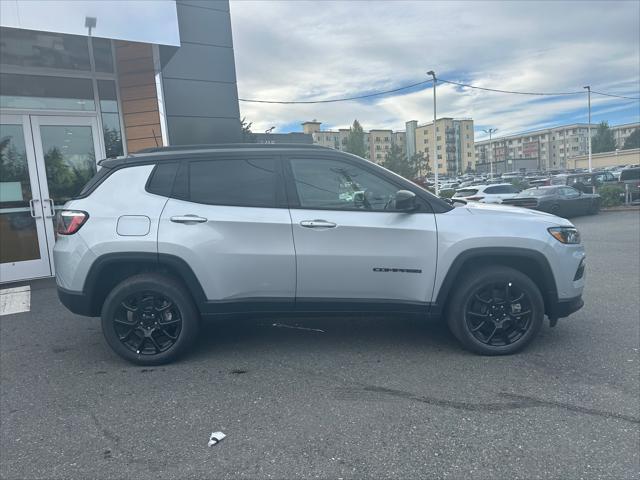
110,118
28,48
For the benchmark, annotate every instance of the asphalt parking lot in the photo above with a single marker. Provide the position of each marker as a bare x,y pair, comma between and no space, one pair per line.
367,397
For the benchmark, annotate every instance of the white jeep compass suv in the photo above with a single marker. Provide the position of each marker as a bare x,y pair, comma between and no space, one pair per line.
159,240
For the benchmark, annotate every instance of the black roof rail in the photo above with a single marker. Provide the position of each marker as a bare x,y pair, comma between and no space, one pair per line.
219,146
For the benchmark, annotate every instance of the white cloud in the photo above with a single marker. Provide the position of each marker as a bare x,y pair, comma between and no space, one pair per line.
310,50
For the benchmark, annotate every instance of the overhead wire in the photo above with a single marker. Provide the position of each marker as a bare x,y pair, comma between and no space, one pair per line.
406,87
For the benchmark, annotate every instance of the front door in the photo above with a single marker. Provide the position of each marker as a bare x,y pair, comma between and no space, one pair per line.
45,161
351,246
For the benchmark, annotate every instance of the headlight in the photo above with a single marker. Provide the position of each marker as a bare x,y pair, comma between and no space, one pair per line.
565,234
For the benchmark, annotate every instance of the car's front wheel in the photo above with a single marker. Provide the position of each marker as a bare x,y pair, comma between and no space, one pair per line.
496,311
149,319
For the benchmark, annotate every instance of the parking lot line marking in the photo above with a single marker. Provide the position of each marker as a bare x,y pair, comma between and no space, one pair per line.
15,300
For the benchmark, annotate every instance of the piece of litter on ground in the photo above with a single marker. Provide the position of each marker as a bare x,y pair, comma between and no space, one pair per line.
216,437
15,300
282,325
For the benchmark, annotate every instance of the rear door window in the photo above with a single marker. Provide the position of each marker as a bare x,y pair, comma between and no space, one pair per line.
247,182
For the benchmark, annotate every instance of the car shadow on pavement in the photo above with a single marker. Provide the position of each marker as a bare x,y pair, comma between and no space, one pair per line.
374,333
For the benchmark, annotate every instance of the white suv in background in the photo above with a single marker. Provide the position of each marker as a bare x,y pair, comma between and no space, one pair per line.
494,193
159,240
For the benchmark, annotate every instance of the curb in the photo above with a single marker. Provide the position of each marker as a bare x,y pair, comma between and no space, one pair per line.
632,208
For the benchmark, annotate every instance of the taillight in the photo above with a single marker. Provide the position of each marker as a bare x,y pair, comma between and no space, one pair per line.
474,198
70,221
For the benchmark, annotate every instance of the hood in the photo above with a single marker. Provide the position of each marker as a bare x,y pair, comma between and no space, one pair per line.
476,208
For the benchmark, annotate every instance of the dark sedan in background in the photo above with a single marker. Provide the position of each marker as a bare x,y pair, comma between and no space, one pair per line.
559,200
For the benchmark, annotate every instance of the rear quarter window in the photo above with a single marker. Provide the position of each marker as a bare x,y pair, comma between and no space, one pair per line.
162,179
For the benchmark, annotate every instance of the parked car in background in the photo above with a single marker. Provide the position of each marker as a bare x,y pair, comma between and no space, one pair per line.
559,200
631,177
487,193
585,182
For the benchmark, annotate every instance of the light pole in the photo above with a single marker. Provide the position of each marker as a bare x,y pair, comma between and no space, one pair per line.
588,87
435,150
490,131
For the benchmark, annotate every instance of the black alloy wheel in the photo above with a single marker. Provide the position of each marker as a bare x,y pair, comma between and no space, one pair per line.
148,323
150,319
495,310
498,314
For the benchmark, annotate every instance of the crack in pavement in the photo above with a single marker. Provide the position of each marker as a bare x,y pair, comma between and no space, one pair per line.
516,402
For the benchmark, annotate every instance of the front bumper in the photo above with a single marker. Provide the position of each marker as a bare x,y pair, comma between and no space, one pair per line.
565,307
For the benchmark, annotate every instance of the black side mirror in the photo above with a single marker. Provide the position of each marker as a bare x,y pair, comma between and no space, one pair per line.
405,201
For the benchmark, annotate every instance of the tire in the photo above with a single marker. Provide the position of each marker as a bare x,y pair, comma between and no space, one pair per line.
468,308
555,210
594,208
156,316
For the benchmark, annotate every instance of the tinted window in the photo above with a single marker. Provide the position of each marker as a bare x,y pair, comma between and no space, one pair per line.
501,189
340,186
569,192
162,178
35,91
249,183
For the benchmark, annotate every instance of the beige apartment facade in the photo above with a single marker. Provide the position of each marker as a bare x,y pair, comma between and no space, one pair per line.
377,142
454,141
548,149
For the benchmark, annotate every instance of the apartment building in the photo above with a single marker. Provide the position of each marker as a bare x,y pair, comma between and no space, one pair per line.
546,149
454,144
622,132
377,142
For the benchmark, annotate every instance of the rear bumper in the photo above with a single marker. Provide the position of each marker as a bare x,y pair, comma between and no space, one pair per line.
77,302
564,308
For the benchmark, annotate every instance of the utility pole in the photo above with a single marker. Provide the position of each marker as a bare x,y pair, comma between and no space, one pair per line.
490,131
435,149
588,87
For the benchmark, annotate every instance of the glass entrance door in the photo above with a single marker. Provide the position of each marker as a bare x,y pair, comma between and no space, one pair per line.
60,157
24,251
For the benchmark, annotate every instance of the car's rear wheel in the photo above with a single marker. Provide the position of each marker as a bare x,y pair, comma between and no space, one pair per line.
149,319
594,208
496,311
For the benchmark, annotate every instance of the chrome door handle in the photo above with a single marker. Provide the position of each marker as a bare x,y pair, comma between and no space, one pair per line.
32,207
188,219
317,224
51,207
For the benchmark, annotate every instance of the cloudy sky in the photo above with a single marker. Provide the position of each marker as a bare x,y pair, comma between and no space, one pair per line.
295,50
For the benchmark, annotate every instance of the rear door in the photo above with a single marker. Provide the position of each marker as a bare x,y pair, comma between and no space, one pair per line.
353,250
228,219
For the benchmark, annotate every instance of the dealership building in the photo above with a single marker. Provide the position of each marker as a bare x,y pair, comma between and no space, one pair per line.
84,80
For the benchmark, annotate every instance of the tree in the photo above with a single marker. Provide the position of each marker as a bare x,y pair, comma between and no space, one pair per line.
603,140
419,164
355,140
247,134
397,162
633,140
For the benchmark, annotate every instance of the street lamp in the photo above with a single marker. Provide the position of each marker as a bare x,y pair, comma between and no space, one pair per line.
588,87
490,131
435,151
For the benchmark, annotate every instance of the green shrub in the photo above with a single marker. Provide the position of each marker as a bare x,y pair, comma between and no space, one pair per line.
520,184
611,195
447,193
